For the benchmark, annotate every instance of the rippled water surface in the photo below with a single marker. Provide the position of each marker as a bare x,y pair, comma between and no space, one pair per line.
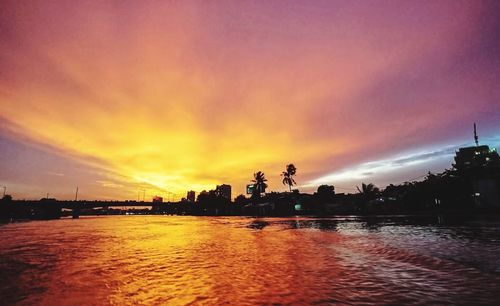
207,260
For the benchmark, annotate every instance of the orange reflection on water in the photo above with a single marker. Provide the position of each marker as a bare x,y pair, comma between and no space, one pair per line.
180,260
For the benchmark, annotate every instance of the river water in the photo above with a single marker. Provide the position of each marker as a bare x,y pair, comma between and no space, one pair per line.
236,260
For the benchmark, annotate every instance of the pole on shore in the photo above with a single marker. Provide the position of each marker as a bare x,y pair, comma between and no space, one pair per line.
476,138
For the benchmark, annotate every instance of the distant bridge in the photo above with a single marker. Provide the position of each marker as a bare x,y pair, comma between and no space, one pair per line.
81,204
52,209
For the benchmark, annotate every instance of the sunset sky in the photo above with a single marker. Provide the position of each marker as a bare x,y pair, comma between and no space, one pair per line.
168,96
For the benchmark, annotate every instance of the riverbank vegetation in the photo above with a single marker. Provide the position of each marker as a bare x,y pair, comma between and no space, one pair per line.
459,189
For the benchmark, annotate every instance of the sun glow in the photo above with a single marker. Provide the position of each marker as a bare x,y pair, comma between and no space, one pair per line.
180,96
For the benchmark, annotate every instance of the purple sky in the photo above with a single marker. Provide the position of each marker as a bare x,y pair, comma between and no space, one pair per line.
115,97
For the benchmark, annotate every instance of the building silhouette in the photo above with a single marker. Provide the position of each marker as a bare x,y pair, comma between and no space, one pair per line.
224,191
191,196
476,157
480,165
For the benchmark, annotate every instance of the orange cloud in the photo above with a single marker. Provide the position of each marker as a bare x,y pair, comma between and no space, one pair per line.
188,95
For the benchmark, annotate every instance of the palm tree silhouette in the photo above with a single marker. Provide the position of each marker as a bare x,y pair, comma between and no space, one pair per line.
259,185
369,191
288,176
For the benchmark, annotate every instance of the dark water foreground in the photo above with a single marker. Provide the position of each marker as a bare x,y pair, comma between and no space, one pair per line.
179,260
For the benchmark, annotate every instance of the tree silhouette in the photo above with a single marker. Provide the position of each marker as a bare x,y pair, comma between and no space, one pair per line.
368,191
288,176
325,193
240,200
259,185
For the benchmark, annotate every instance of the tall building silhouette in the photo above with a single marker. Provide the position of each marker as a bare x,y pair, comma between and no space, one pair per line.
191,196
476,157
224,191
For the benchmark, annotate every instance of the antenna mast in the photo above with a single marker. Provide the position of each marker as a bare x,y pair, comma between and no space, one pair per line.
76,195
476,138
